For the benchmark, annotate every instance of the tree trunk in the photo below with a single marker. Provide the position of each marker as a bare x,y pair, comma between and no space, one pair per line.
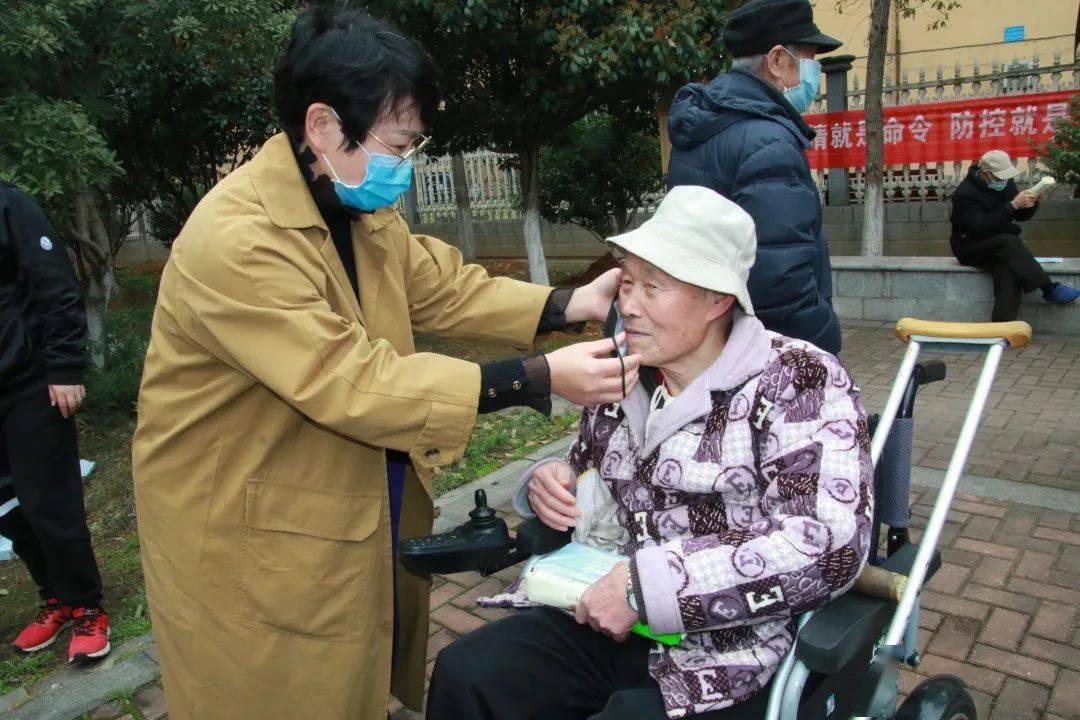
93,241
466,239
530,216
873,242
97,303
412,203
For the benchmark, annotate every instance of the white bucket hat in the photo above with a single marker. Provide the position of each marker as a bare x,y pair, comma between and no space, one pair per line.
699,237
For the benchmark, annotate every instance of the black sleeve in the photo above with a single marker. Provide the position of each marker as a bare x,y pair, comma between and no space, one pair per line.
516,382
977,223
553,316
55,294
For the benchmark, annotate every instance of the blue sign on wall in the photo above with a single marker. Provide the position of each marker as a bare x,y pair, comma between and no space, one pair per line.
1014,33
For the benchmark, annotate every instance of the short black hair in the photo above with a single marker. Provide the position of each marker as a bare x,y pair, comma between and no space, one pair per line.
359,65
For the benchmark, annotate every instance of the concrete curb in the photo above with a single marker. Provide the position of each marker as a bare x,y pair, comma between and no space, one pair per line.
998,489
70,693
455,505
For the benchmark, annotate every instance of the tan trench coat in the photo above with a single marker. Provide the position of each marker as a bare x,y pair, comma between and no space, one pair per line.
268,397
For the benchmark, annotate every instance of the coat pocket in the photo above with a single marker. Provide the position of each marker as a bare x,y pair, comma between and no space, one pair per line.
312,562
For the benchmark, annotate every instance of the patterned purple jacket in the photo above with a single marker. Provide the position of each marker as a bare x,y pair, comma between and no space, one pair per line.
748,502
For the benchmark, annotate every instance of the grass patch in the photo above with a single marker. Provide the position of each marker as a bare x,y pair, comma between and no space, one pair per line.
122,696
500,439
130,618
22,670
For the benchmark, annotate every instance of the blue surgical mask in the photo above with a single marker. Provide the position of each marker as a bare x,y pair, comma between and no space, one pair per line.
997,185
387,178
802,95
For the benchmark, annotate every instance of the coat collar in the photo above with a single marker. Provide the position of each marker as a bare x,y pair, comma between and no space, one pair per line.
288,203
285,195
743,358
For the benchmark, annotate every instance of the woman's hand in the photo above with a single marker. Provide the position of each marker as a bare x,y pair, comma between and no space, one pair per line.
585,375
593,301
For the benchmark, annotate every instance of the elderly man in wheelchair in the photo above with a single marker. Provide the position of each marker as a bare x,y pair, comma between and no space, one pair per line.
740,489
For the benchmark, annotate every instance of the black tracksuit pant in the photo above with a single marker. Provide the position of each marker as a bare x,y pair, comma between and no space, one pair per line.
1014,269
541,665
48,528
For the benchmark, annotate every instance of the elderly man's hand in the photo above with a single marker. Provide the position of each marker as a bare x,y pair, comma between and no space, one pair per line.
1025,200
550,496
604,607
593,301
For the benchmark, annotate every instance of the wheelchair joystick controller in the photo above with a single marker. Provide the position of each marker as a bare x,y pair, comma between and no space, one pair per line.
482,543
481,516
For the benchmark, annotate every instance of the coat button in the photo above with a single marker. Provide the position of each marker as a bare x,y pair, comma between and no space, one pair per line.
492,393
432,455
516,385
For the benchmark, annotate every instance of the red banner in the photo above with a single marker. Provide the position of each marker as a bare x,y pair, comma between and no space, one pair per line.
941,131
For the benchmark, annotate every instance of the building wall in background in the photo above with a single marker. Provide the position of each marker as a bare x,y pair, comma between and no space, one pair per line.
975,30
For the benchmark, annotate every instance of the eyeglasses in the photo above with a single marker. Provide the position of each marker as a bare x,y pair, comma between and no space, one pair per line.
418,139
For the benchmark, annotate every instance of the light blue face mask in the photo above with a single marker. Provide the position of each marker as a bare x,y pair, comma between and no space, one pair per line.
997,185
802,95
387,178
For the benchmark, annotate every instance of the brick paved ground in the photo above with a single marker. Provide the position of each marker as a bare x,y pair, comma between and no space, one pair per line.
1031,429
1003,613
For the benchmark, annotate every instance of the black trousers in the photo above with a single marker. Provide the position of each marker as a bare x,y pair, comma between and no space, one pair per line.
48,528
1014,269
541,665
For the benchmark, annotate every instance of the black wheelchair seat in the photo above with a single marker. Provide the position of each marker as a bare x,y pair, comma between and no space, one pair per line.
853,622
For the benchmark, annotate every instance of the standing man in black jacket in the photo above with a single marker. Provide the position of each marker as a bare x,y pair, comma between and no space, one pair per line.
42,356
986,208
743,136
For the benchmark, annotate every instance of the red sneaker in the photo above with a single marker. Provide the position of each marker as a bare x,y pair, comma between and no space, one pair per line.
89,634
42,632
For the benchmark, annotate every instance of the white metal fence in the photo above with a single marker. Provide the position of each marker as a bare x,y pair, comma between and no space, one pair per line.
494,186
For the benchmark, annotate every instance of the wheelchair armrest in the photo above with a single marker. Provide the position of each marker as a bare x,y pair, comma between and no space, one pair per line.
853,621
536,538
482,544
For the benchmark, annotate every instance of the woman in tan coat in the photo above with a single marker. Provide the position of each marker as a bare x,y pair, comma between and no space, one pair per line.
287,428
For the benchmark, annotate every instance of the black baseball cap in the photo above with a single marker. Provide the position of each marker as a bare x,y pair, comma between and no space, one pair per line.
760,25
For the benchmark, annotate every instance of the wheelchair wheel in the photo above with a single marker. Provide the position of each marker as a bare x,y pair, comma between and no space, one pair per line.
943,697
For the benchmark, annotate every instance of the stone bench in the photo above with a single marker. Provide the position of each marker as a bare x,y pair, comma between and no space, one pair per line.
940,288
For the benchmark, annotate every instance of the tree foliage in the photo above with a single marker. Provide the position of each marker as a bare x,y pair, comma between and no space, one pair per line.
109,108
1062,154
600,170
516,75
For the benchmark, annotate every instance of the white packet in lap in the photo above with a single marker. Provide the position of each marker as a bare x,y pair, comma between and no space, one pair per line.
559,578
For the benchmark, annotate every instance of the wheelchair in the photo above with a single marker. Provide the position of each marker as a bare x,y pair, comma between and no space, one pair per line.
847,657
